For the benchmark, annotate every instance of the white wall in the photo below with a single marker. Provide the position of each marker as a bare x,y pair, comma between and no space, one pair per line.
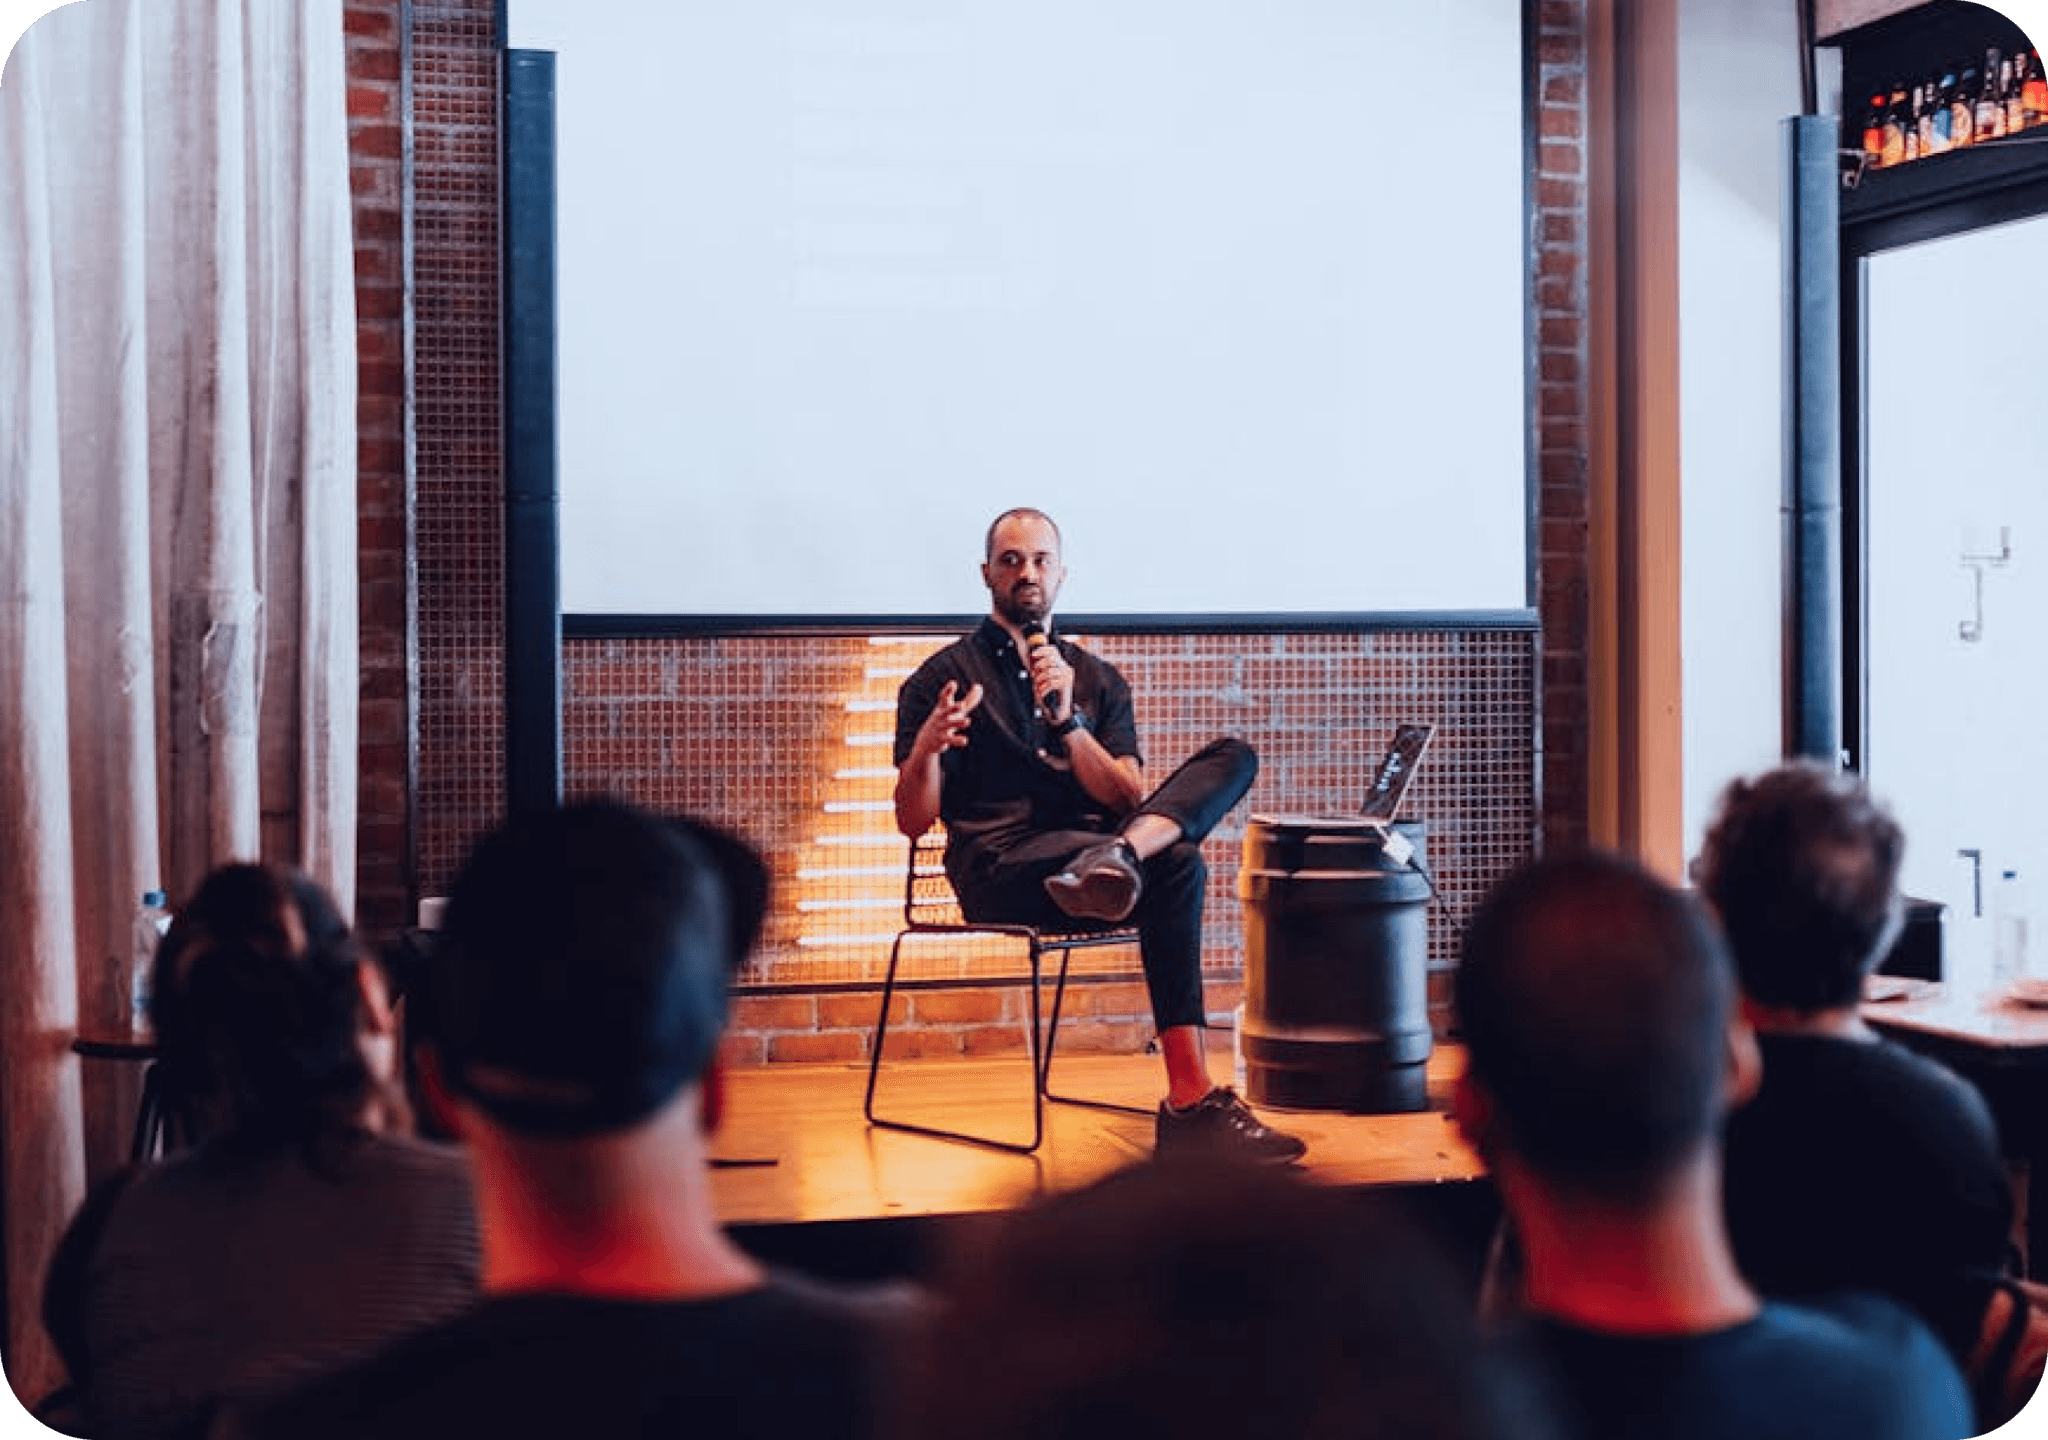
1235,292
1738,78
1955,470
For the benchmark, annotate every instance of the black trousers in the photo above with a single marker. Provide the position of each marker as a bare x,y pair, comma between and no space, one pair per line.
1169,912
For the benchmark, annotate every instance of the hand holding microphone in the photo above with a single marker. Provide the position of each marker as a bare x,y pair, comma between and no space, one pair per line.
1052,678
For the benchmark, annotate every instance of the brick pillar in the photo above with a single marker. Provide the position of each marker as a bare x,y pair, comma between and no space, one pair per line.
378,184
1563,414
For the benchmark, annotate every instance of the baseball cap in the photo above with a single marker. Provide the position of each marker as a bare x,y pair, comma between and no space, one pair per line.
584,968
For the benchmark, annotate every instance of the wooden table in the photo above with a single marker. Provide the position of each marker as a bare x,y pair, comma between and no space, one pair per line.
2002,1047
1973,1031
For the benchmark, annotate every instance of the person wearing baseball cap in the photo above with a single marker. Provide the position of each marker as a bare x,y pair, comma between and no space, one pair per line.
571,1022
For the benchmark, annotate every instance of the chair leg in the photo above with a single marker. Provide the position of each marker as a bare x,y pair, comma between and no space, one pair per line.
1052,1036
939,1132
1052,1032
881,1028
148,1140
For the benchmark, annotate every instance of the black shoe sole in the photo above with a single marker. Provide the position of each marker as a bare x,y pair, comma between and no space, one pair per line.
1104,895
1198,1153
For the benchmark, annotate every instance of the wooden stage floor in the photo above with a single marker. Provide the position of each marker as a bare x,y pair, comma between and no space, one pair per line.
795,1150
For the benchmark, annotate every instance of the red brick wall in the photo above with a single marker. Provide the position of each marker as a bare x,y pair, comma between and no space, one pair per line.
423,140
1563,413
786,739
377,184
651,741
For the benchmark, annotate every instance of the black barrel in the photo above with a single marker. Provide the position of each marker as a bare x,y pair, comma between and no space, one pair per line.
1336,1013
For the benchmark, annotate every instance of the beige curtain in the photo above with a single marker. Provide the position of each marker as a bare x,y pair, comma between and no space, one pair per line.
177,526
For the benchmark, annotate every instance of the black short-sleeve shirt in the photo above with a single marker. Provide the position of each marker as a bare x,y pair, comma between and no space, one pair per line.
1011,778
791,1359
1861,1165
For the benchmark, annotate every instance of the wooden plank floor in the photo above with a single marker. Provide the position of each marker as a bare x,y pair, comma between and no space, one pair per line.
796,1149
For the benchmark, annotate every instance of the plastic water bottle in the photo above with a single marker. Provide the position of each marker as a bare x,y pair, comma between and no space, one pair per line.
152,919
2009,960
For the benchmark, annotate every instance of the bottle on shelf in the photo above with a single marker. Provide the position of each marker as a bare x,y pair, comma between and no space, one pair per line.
1873,130
1918,122
1938,133
1895,118
2010,74
1962,109
2034,91
1988,121
152,919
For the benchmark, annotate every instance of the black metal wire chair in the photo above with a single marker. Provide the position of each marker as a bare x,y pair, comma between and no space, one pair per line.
931,908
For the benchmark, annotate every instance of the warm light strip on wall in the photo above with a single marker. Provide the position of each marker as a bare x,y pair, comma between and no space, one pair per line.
869,883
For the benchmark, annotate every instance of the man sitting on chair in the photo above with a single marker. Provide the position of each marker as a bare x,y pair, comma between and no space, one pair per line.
1026,746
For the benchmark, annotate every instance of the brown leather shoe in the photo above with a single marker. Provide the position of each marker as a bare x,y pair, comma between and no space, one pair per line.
1101,883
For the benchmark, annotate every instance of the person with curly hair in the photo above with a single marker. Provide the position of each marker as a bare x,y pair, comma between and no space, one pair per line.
1859,1164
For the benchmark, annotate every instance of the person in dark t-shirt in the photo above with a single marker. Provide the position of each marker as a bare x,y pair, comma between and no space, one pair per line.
1209,1302
1604,1048
571,1018
1859,1163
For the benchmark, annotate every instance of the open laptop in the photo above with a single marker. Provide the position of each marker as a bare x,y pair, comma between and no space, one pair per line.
1396,769
1390,783
1383,796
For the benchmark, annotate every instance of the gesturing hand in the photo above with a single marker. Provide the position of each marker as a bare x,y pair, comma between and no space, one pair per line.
946,727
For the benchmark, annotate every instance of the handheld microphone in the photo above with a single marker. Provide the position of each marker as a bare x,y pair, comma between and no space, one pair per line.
1035,638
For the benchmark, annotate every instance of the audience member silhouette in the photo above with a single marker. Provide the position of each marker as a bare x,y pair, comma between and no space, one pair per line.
1207,1301
1605,1047
1859,1164
306,1229
572,1018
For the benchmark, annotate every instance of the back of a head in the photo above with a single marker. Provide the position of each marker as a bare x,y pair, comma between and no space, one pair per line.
1594,1002
583,977
1802,866
256,1004
1178,1303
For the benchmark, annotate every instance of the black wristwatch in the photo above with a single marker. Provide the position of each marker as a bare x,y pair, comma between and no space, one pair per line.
1077,719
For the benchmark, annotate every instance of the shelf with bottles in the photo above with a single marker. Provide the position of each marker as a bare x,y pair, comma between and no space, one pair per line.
1946,105
1970,102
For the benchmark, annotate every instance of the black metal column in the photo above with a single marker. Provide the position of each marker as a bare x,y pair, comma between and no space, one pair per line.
1813,467
533,610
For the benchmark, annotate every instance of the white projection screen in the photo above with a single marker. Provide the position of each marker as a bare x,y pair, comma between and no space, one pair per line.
1234,291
